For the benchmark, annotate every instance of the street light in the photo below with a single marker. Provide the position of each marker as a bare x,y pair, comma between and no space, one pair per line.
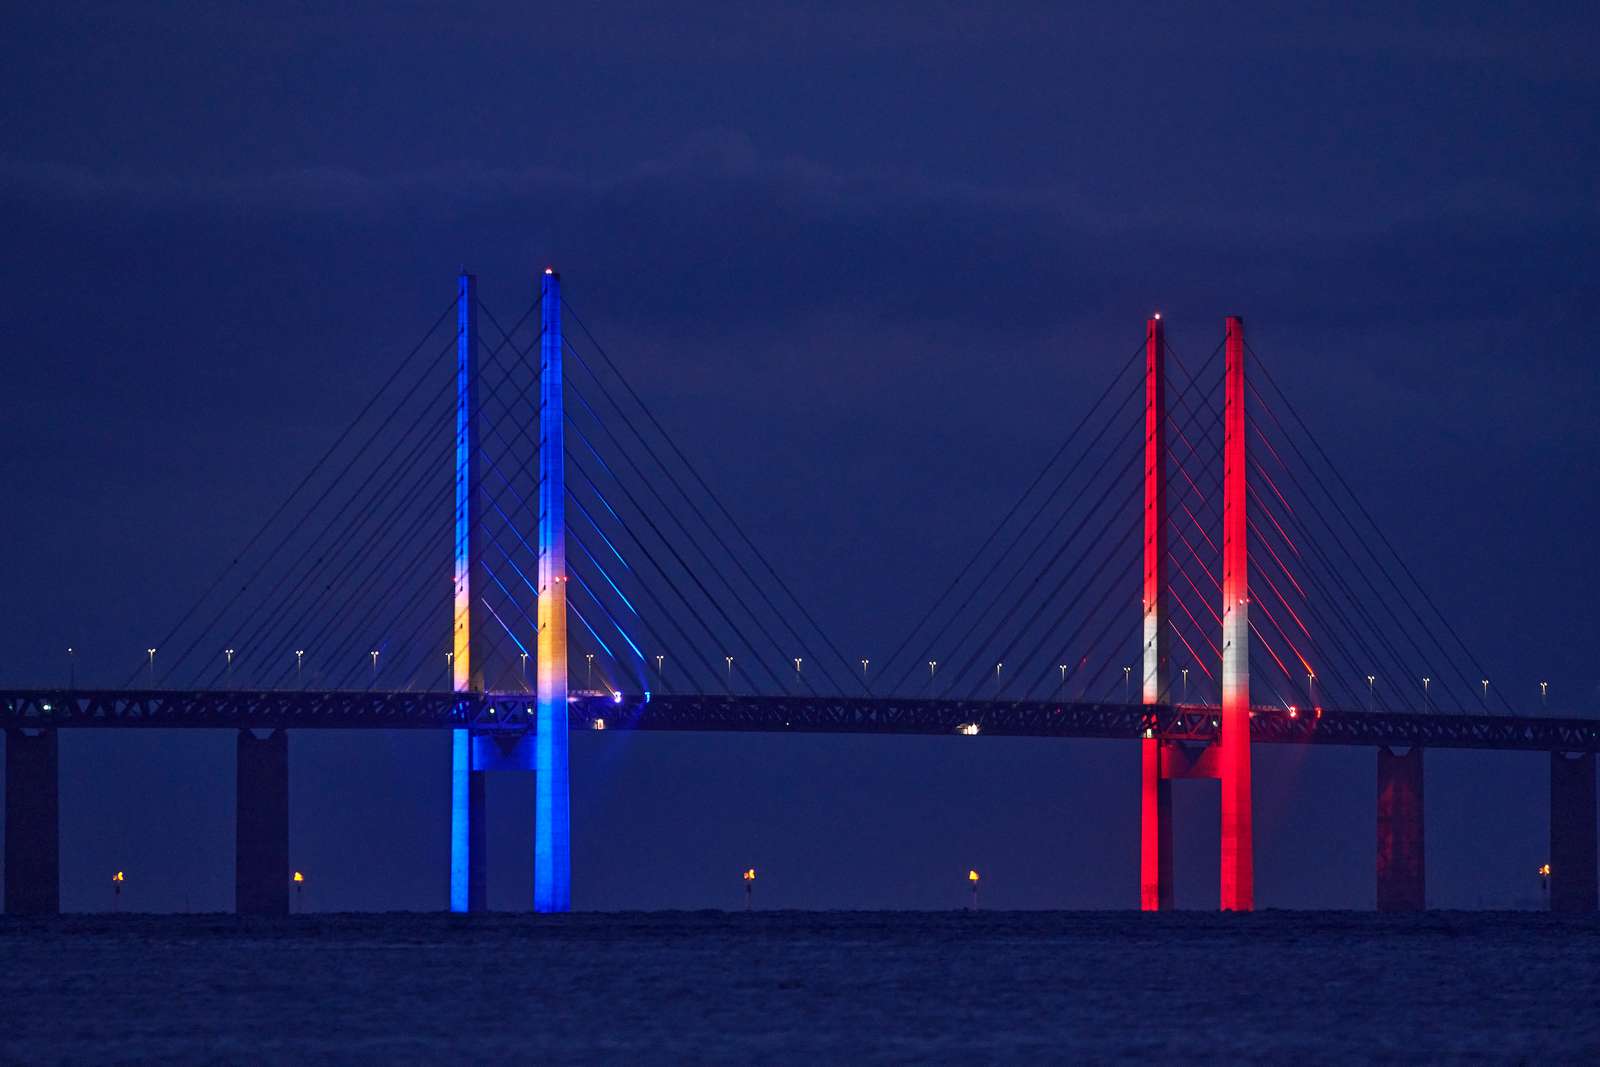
72,668
588,670
1425,705
1062,667
997,667
749,887
933,665
299,658
1311,688
1185,672
972,880
1485,684
228,673
524,670
1371,678
1544,695
864,663
729,661
374,664
152,654
797,662
1127,685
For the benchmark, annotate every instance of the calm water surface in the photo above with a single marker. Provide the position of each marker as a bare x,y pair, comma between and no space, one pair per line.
800,986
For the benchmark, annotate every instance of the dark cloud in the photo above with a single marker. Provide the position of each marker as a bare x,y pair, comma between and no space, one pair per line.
868,264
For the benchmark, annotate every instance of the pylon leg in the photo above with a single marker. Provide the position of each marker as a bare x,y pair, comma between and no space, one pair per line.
1155,831
1238,838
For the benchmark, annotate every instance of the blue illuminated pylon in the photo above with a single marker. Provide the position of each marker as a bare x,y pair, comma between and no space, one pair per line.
552,851
467,886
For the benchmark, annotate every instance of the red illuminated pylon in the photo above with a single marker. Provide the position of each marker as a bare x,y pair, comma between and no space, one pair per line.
1155,811
1238,846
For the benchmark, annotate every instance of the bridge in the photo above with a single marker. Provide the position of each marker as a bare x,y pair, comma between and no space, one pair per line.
1273,553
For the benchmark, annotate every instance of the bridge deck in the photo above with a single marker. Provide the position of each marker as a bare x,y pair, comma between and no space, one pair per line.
512,712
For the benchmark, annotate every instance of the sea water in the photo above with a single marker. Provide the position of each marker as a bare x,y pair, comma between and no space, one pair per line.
801,986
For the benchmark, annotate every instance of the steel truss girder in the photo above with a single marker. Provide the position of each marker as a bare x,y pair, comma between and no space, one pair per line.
514,713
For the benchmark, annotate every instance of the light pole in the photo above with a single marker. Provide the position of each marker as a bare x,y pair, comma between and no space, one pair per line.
797,662
1185,672
228,672
1426,706
1127,685
588,670
864,663
299,659
997,667
1062,684
749,888
1544,695
1311,688
152,654
972,880
729,661
72,668
660,672
450,668
524,670
1371,678
1485,684
374,665
933,665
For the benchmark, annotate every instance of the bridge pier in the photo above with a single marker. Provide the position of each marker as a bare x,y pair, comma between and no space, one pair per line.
33,823
1572,833
1401,870
261,825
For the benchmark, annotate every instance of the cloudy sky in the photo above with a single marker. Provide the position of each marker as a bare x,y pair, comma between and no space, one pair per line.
868,261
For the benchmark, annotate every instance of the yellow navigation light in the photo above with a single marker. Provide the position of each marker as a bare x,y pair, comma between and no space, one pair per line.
750,874
299,878
1544,870
972,876
117,878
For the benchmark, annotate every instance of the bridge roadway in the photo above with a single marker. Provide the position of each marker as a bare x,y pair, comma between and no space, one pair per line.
513,712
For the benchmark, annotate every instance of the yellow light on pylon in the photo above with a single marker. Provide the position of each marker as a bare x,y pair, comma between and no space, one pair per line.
298,878
972,876
117,878
1544,870
750,874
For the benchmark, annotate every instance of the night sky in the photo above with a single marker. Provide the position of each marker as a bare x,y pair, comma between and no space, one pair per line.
868,267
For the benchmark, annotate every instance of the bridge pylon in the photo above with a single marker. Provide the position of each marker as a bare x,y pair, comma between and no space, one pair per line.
1238,839
1228,759
545,752
552,857
468,859
1155,803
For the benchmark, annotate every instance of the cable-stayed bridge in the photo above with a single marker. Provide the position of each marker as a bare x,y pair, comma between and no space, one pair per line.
505,544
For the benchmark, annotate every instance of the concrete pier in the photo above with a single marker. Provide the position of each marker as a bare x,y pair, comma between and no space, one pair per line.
33,823
261,846
1402,871
1572,833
